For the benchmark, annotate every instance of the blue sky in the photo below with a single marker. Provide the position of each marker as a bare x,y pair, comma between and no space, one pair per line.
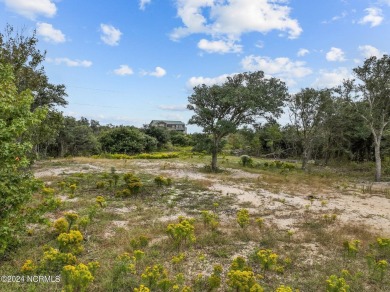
131,61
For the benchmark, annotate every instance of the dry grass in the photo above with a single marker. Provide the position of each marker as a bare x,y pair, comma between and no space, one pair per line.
312,242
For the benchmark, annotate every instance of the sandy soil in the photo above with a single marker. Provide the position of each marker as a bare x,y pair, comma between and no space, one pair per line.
373,211
285,210
84,168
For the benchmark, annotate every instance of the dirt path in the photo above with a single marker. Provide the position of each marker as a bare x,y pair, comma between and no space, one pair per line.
55,171
283,209
373,211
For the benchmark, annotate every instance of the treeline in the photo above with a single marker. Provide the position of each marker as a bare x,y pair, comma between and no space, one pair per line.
343,137
343,124
85,137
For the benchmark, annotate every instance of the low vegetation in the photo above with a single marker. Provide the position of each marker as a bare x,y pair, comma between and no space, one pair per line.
178,234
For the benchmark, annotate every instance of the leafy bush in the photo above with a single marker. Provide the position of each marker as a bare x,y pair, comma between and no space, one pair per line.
71,217
267,259
61,225
133,183
71,242
28,267
78,277
160,134
101,201
139,242
53,260
242,280
210,219
180,139
17,183
336,284
246,160
127,140
100,185
182,232
161,181
283,288
351,248
279,165
243,218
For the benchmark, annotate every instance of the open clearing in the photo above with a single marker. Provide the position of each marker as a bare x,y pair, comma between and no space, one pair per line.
307,220
351,206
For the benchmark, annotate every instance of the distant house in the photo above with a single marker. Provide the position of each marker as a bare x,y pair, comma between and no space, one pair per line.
170,125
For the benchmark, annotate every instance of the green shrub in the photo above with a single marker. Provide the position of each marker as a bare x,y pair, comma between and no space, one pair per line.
141,241
71,217
133,185
246,160
243,218
61,225
161,181
17,183
267,259
53,260
214,281
210,220
336,284
100,185
182,232
71,242
351,248
127,140
78,277
101,201
242,281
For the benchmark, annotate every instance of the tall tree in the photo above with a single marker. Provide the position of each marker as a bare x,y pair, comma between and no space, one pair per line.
308,111
75,138
17,183
221,109
21,52
371,98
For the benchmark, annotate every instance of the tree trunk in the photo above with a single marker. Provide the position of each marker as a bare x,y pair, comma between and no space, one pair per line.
378,161
214,166
306,154
214,154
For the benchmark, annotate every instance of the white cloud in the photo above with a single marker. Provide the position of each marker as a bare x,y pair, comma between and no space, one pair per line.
282,68
233,18
369,51
220,46
123,70
194,81
336,18
71,63
178,107
374,16
327,79
158,72
302,52
32,8
110,35
143,3
335,55
49,33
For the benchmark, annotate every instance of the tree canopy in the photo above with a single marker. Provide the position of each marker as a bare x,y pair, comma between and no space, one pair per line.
16,182
244,97
20,51
370,96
